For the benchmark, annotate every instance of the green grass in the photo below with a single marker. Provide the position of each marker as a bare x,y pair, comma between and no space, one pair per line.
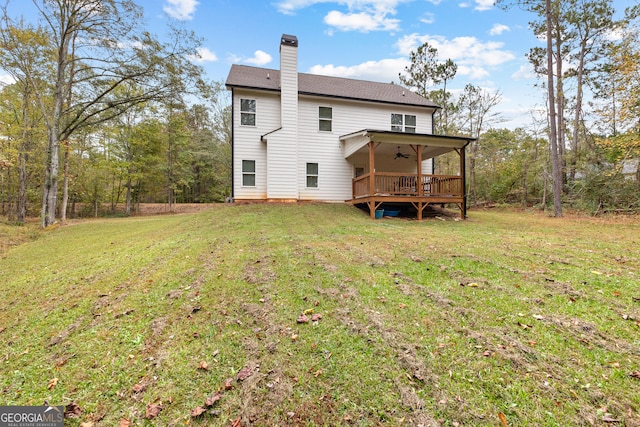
433,323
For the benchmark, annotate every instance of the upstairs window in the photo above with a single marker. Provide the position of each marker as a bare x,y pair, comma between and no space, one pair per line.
406,123
325,115
410,124
312,175
396,122
248,112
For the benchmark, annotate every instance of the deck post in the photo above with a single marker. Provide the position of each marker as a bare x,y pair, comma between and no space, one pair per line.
419,169
372,179
463,175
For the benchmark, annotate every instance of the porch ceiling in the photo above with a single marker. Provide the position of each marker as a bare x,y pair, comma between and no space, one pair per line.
434,145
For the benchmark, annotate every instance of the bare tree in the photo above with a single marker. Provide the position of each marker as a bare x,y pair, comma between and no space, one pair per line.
97,46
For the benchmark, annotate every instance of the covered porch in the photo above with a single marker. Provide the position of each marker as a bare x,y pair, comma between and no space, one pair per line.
392,170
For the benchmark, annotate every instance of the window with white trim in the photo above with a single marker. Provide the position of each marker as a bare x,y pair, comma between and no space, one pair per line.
248,112
396,122
325,118
248,173
312,175
400,123
409,123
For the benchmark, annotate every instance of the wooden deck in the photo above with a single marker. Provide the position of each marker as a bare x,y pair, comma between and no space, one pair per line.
417,190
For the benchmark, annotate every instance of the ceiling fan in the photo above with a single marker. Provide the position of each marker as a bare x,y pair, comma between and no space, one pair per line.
400,155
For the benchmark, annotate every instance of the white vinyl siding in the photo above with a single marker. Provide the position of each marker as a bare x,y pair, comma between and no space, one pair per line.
247,144
336,172
281,155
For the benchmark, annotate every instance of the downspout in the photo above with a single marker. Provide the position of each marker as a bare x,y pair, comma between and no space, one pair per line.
233,158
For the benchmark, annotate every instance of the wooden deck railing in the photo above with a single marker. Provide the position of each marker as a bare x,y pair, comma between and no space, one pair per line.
395,184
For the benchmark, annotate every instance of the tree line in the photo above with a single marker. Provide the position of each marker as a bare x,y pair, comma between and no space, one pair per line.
100,110
584,151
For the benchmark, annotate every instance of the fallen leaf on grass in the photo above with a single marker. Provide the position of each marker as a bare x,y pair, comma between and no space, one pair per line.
237,423
152,411
608,418
211,400
72,410
503,419
124,313
244,374
196,412
303,319
523,325
203,366
317,373
87,424
228,384
308,311
52,383
596,272
538,317
2,329
635,374
316,317
124,423
139,388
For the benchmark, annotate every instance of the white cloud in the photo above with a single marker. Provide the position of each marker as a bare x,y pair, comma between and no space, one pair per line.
363,21
498,29
359,15
470,54
259,58
289,7
484,4
385,70
203,55
6,79
525,72
428,18
181,10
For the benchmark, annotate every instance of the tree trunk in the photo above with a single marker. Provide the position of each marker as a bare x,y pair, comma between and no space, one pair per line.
23,177
560,101
127,208
553,135
50,193
576,118
65,184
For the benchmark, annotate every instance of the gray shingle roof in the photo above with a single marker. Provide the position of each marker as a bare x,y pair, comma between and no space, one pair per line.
243,76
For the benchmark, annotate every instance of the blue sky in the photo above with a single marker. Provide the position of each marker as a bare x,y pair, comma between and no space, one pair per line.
366,39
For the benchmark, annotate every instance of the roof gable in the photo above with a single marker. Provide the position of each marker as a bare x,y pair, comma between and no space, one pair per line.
336,87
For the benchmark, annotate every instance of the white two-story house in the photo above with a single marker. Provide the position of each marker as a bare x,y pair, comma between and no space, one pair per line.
302,137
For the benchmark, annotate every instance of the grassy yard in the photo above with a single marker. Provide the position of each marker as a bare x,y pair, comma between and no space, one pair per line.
504,319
